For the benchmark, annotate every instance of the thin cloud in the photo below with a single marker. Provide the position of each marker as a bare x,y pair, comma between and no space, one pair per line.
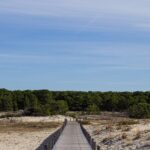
144,26
77,8
96,13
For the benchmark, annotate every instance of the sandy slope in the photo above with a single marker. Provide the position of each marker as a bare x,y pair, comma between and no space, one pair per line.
22,140
56,118
17,138
121,133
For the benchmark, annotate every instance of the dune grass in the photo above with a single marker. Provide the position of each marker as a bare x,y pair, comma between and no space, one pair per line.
27,126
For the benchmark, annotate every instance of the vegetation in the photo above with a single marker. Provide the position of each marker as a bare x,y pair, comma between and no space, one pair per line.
44,102
26,126
127,122
85,122
141,110
93,109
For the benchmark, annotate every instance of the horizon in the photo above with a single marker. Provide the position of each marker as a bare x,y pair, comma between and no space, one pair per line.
63,45
72,90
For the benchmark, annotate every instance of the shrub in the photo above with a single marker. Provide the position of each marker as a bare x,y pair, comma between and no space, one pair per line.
85,122
62,107
138,135
93,109
124,136
33,112
141,110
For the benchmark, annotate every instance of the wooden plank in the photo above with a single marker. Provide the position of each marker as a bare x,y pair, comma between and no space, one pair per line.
72,138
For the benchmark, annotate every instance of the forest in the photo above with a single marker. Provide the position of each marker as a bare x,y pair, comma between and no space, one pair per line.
45,102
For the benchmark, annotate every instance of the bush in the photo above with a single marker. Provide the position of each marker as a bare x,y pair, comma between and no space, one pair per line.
62,107
93,109
141,110
85,122
33,112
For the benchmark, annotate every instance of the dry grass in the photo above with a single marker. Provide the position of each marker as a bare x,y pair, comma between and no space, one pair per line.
106,139
138,135
96,132
127,122
126,128
124,136
26,126
85,122
109,127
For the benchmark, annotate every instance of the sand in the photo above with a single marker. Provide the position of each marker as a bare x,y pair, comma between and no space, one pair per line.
120,133
22,140
13,138
55,118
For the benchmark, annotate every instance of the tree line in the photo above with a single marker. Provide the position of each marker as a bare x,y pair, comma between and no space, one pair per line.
44,102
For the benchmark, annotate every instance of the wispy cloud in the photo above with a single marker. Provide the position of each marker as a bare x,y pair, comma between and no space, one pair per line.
77,8
91,57
89,13
144,25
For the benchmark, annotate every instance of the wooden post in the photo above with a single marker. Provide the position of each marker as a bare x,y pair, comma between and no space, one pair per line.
94,145
45,147
98,147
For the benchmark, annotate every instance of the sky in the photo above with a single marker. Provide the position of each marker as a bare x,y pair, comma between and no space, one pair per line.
89,45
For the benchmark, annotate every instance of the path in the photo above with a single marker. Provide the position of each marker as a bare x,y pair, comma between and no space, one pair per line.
72,138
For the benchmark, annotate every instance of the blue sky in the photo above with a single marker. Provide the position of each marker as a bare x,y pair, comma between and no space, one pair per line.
75,45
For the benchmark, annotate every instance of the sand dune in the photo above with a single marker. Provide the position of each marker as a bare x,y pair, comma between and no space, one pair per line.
121,133
27,133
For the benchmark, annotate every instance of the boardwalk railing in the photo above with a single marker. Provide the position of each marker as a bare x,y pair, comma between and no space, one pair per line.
89,139
49,143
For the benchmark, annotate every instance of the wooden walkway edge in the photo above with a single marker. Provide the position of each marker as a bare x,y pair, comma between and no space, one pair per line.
72,138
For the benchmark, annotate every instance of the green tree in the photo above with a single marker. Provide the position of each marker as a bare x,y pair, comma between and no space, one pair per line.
44,96
93,109
62,106
141,110
15,106
33,101
7,104
18,96
26,102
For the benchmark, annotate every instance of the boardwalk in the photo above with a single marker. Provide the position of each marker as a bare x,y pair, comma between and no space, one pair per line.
72,138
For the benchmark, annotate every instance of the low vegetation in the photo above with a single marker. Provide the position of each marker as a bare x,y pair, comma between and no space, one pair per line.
85,122
12,126
128,122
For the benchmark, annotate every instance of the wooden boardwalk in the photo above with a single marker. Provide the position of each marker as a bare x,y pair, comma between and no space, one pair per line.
72,138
